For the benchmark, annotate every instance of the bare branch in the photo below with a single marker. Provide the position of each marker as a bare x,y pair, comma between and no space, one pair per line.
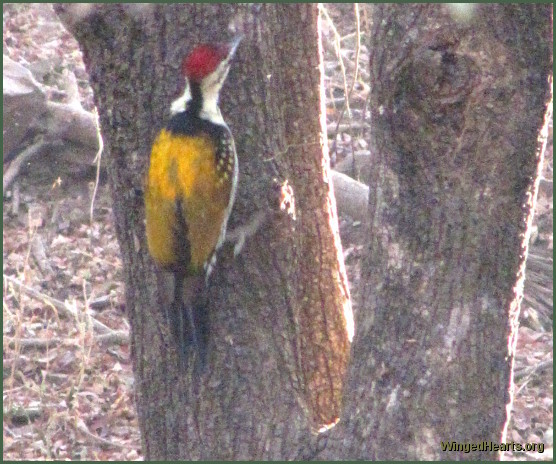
60,306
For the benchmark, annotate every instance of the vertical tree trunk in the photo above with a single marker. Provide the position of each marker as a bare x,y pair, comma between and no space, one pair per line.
458,100
279,311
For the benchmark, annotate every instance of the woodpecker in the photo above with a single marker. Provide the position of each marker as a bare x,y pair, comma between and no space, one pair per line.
190,191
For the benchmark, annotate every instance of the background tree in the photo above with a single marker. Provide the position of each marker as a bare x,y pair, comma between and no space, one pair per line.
280,311
458,101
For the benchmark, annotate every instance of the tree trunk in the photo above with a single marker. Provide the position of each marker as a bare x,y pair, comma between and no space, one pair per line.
280,311
458,100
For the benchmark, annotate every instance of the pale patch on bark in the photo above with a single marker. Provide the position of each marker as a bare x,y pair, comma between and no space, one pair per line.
426,444
456,331
393,402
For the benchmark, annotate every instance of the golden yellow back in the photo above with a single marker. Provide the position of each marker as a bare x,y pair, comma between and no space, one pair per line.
184,188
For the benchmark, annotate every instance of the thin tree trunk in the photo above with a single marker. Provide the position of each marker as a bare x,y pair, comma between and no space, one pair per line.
458,102
279,312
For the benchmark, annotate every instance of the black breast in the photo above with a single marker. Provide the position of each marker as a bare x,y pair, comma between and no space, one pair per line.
187,123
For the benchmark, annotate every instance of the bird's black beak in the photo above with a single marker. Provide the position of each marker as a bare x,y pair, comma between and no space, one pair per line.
233,45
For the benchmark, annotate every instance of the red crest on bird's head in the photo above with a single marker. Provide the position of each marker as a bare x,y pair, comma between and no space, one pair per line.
203,60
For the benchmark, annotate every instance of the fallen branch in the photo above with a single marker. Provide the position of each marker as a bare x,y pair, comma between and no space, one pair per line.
39,343
356,160
113,338
349,128
82,427
33,125
352,197
64,308
15,166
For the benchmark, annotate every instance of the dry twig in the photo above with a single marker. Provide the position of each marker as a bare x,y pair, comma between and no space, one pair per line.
60,306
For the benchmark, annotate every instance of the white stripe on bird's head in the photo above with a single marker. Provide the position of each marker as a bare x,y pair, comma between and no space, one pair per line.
180,104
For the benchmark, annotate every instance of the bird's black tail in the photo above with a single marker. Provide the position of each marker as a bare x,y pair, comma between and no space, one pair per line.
189,319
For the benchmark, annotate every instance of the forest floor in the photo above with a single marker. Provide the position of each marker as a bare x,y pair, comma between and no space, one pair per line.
68,393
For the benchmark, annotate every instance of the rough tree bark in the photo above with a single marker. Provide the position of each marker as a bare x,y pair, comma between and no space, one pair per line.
458,103
280,311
